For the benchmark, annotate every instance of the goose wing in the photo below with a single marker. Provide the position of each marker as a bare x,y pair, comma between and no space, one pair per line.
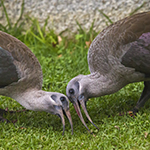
8,70
18,63
112,43
138,55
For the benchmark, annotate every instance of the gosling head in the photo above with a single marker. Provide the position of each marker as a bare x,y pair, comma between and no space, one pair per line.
78,94
54,103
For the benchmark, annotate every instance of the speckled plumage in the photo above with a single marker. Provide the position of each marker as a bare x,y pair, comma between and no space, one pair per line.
119,55
115,40
21,78
27,66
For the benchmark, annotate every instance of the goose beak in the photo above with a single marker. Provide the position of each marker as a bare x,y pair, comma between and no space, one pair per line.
68,115
60,113
61,116
82,102
76,106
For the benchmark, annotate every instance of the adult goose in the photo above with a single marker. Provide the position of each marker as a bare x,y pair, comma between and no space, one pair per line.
119,55
21,79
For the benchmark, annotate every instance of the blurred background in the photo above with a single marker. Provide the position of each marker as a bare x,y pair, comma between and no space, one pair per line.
63,15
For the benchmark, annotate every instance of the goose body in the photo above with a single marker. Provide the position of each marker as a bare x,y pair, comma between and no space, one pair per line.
119,55
21,78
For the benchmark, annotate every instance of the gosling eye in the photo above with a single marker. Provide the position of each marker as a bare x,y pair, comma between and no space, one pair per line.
71,91
65,103
81,97
62,99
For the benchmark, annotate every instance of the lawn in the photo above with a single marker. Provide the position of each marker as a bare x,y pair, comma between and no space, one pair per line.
61,60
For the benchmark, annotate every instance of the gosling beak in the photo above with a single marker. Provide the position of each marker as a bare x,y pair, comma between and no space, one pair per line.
61,116
68,115
82,102
76,106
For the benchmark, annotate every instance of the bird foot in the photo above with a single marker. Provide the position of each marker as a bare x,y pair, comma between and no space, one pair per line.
4,120
11,111
131,114
4,112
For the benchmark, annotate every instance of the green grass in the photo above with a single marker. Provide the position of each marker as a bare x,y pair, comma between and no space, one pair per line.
60,63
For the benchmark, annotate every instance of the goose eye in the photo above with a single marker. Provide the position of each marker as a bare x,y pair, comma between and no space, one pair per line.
71,91
62,99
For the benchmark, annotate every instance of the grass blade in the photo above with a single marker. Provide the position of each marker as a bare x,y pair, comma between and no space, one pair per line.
138,8
39,30
41,40
80,28
45,24
3,28
21,14
5,11
106,16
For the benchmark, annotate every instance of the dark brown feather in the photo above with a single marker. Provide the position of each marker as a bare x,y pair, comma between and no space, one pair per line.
27,65
8,71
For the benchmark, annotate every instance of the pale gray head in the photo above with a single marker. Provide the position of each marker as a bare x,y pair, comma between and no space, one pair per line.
62,108
51,102
78,93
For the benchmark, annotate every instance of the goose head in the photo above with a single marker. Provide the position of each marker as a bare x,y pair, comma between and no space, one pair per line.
77,92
